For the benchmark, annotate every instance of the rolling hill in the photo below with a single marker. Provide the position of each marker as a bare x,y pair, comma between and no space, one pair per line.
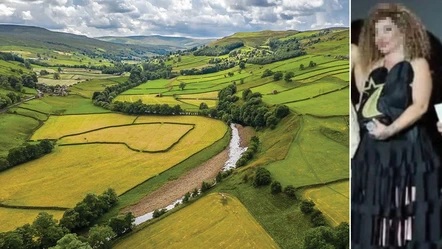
26,37
168,43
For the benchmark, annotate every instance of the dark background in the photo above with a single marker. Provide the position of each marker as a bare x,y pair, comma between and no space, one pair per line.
429,11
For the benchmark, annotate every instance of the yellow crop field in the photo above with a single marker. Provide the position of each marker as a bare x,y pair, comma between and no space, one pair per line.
332,200
148,137
19,217
210,103
148,99
63,177
58,126
209,95
210,222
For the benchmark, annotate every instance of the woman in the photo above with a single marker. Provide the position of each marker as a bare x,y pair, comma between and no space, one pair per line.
396,202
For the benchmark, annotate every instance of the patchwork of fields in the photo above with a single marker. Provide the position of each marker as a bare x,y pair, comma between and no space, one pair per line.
97,149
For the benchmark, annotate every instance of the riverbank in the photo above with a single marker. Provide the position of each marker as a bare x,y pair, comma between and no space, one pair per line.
176,189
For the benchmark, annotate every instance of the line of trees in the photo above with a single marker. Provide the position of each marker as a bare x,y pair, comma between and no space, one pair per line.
209,69
249,153
26,153
88,210
46,232
9,99
16,82
217,50
276,56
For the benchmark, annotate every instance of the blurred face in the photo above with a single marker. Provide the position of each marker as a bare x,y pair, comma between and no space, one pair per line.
388,36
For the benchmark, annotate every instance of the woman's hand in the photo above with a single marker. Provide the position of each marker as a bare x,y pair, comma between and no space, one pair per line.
381,131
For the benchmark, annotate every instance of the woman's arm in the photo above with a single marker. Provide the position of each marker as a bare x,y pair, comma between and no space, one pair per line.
356,69
421,91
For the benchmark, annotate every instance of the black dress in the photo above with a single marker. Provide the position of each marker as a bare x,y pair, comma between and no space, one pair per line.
395,185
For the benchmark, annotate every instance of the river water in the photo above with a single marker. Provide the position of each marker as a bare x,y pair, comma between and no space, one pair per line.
235,152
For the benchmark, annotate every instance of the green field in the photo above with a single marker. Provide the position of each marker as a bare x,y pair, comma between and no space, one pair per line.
322,105
152,100
333,200
224,223
321,86
29,113
72,104
19,129
87,88
313,157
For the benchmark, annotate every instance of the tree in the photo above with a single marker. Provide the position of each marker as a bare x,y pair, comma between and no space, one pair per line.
47,230
219,177
71,241
281,111
246,93
195,193
99,237
301,66
205,186
276,187
182,85
57,76
288,76
271,121
11,240
44,72
158,212
59,69
319,238
122,223
203,106
267,73
4,164
277,76
290,191
242,65
307,206
179,58
318,218
27,64
311,64
28,235
262,177
342,236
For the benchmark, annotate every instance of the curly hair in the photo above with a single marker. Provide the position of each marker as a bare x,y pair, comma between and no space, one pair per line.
416,41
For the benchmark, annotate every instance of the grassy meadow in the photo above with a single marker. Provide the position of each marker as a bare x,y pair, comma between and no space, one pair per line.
211,220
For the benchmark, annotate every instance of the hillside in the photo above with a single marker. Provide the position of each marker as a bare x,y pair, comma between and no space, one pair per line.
27,38
256,39
168,43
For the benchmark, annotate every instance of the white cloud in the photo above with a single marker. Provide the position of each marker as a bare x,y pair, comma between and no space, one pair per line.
6,11
26,15
204,18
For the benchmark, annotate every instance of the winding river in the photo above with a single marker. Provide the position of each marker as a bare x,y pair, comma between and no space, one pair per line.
235,152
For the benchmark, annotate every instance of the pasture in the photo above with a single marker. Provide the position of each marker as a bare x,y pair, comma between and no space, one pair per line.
332,200
71,104
58,126
18,129
75,171
20,217
321,86
87,88
147,137
224,223
313,157
335,103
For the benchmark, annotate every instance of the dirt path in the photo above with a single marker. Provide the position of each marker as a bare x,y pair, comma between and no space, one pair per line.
174,190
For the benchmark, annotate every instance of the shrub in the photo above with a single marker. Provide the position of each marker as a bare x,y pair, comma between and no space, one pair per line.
262,177
307,206
276,187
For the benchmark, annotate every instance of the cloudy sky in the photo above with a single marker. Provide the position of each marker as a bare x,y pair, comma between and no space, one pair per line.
191,18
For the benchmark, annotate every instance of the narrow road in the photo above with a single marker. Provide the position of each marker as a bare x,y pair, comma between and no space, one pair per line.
16,104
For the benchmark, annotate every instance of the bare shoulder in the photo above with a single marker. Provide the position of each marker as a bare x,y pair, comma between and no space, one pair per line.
355,54
420,65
